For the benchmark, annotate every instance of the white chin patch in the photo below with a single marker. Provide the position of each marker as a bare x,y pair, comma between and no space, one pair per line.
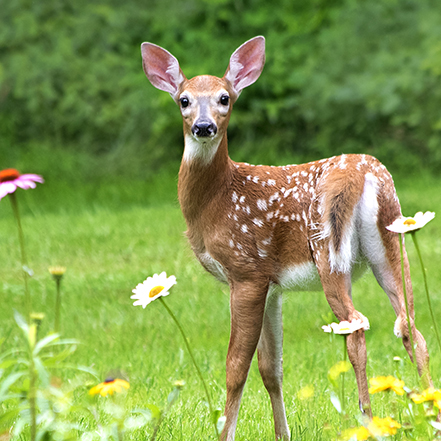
201,149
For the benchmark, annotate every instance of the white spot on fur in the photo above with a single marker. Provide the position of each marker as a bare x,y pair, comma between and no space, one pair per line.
263,254
244,228
262,205
258,222
234,197
271,182
267,241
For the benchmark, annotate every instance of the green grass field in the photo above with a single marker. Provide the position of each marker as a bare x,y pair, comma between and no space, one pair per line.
113,236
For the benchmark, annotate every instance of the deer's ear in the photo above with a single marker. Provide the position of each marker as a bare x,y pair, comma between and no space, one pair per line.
246,64
162,68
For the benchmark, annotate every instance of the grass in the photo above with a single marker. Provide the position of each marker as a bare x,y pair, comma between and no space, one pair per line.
112,237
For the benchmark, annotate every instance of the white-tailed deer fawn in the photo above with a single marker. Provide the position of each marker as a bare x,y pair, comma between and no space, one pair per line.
265,229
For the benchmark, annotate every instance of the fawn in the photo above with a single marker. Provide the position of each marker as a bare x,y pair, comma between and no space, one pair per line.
265,229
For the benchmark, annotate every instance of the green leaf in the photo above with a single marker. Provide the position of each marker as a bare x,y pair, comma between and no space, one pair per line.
336,402
221,423
21,322
43,374
45,342
155,411
9,381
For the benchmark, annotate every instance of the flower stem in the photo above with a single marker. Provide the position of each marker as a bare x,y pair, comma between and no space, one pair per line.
405,299
193,359
57,305
32,381
426,286
345,353
16,212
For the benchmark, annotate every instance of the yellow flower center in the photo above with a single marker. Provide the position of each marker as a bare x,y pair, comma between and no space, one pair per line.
9,174
409,222
155,291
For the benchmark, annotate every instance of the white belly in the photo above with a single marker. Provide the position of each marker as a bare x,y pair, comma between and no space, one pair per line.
301,277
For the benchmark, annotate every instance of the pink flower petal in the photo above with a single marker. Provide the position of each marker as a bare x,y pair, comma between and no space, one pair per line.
25,184
6,188
32,177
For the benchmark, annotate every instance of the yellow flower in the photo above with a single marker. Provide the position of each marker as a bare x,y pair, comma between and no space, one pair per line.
57,272
379,384
408,224
339,368
306,392
152,288
179,384
358,433
383,426
429,394
109,386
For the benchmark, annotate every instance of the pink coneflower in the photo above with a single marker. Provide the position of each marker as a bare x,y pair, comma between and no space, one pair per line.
11,179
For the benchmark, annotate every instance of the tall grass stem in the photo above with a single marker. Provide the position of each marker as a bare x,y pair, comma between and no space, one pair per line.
57,305
426,286
345,354
406,301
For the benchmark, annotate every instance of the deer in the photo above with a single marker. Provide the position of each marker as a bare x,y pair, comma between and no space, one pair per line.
264,230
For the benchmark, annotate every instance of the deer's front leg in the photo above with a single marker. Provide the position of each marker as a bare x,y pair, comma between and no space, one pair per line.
247,306
269,352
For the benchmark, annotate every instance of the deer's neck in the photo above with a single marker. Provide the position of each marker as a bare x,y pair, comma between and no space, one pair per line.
201,181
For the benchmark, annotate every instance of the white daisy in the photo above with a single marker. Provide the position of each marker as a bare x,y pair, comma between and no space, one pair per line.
408,224
152,288
345,327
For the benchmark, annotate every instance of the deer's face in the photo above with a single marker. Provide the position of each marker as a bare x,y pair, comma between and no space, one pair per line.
205,102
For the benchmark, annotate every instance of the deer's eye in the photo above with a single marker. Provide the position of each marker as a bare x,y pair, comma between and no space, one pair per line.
184,101
225,99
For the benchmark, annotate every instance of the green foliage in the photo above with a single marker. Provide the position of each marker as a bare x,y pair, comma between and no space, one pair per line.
341,76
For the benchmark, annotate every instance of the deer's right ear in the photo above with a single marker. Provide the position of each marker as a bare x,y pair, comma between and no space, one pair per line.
162,69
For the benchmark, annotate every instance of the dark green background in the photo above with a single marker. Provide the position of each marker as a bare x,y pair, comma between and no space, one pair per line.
341,76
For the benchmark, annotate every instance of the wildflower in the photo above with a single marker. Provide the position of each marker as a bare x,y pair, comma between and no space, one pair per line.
382,383
152,288
339,368
179,384
346,327
383,426
11,179
429,394
306,392
57,272
109,386
409,224
358,433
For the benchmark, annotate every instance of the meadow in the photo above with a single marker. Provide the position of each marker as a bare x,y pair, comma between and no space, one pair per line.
112,235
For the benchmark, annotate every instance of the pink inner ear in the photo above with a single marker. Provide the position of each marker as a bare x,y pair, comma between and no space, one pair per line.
246,64
162,68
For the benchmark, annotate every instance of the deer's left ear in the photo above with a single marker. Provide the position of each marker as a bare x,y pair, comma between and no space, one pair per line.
246,64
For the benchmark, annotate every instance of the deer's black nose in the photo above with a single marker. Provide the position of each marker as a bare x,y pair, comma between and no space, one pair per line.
204,129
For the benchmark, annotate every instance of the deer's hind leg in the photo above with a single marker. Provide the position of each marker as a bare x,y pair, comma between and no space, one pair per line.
390,279
382,249
337,288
